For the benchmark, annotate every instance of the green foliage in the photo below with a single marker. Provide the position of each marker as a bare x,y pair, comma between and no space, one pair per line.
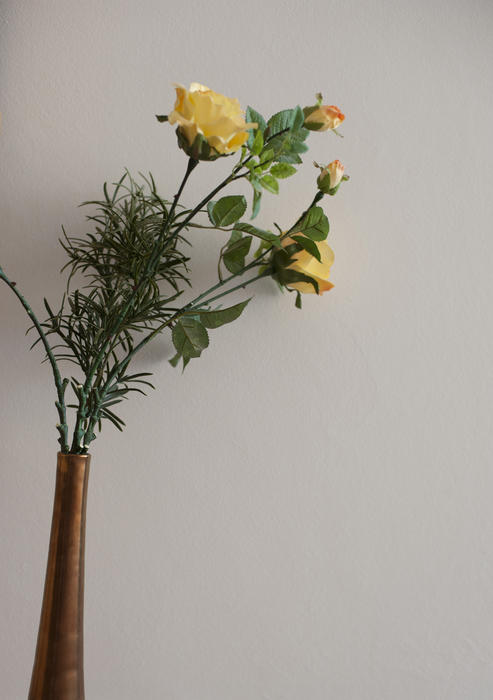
277,143
128,270
285,135
257,199
285,277
314,224
214,319
308,245
259,233
227,210
282,170
235,252
270,183
133,270
258,143
254,116
190,337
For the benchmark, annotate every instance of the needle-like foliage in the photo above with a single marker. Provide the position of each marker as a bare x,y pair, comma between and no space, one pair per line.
133,268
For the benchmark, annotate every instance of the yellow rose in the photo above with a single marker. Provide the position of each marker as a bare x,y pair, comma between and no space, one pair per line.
215,119
323,117
310,266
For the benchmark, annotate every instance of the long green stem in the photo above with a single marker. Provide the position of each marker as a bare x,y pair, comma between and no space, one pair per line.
238,286
59,383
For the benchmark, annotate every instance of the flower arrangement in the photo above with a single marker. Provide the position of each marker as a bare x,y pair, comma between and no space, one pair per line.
133,262
132,269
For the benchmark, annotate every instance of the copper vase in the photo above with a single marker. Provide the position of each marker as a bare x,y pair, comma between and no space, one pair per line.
58,672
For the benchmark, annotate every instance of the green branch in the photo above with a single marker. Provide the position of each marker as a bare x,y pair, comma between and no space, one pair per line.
59,383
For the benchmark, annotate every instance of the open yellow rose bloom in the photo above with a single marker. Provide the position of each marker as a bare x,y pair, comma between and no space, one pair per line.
308,265
219,119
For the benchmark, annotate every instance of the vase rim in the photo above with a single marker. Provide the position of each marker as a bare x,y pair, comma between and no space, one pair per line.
73,454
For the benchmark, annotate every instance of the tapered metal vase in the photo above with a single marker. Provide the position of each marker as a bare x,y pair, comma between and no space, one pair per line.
58,672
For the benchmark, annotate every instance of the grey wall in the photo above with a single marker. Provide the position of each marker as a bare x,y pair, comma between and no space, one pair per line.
306,512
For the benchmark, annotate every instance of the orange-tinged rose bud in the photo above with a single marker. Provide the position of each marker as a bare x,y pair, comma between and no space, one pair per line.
323,117
330,177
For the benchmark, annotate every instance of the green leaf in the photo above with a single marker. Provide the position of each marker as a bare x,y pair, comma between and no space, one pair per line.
267,156
259,233
286,276
298,118
309,245
189,338
282,170
162,117
288,146
281,121
297,303
254,116
258,143
227,210
214,319
175,360
257,197
314,224
234,238
234,255
270,183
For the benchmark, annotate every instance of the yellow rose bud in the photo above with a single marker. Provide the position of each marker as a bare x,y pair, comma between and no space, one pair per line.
330,177
217,120
323,117
310,266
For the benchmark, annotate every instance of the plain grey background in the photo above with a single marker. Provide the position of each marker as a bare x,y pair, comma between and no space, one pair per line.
306,512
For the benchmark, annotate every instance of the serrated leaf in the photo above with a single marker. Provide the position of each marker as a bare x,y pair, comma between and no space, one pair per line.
234,255
259,233
282,170
281,121
267,156
253,116
215,319
189,337
308,245
314,224
227,210
234,238
270,183
258,143
288,146
298,118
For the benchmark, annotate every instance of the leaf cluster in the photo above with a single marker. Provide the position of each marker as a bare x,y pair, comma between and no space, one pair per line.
133,268
275,145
